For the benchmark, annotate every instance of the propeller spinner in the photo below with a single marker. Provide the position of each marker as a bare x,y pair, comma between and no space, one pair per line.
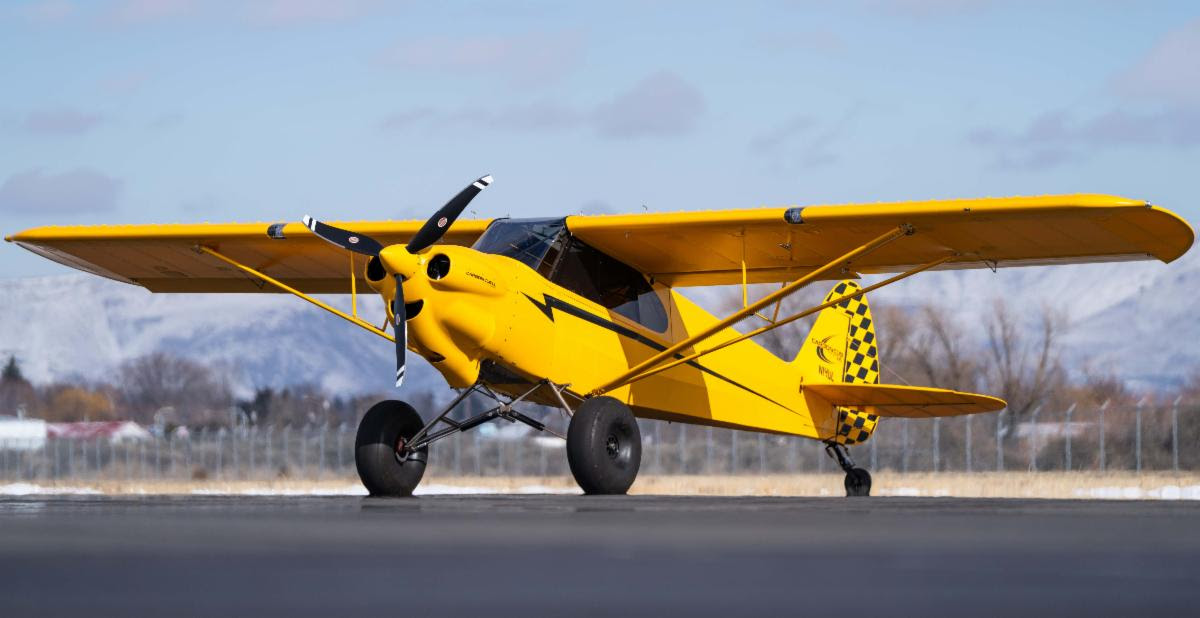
431,232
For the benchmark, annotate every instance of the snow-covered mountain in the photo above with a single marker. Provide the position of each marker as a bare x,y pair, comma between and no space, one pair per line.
1137,319
80,325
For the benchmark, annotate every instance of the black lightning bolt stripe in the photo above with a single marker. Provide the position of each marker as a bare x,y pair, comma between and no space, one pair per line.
551,303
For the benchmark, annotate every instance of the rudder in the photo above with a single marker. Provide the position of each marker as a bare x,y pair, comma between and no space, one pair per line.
843,348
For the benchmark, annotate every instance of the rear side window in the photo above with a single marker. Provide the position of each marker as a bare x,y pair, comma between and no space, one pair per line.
613,284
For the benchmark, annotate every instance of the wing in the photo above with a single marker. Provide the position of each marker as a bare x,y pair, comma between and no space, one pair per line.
163,258
905,401
780,244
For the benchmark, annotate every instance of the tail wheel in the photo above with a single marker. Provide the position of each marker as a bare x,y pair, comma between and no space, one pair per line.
858,482
384,466
604,446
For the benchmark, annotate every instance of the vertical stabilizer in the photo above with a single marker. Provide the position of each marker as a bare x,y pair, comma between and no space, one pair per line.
841,347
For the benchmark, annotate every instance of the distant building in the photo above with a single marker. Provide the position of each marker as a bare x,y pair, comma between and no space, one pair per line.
113,431
31,434
22,434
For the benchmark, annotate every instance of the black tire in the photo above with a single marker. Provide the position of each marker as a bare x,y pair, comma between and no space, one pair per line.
604,446
380,467
858,482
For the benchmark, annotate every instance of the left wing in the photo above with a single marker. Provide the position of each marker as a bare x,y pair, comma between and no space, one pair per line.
163,258
904,401
781,244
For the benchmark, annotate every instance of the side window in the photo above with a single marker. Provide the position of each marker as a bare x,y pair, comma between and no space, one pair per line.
610,283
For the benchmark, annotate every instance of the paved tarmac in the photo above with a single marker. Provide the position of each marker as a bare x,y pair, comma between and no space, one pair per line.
594,556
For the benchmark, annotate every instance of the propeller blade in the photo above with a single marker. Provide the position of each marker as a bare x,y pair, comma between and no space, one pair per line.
345,239
436,226
401,329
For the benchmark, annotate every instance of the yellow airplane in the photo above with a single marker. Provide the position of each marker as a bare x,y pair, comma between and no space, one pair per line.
581,313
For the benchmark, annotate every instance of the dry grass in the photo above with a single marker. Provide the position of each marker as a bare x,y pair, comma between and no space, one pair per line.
984,485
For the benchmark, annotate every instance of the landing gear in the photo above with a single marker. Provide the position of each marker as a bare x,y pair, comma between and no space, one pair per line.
858,480
386,466
604,446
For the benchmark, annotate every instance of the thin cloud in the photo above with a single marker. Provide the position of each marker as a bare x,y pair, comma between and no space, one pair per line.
528,118
930,8
527,59
660,105
48,11
1169,72
75,191
776,138
133,12
1057,137
307,12
825,42
802,142
60,122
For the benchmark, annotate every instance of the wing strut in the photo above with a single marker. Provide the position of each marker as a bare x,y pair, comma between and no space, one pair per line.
788,290
353,319
807,312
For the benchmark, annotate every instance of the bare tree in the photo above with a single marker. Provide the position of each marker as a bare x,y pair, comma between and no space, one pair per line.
1025,370
928,346
158,381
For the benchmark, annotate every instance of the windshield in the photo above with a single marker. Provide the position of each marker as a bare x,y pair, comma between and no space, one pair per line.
524,240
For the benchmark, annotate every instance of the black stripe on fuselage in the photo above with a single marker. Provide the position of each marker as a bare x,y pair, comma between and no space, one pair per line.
552,303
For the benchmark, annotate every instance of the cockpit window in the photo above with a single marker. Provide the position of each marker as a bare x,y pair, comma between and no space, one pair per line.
525,240
613,284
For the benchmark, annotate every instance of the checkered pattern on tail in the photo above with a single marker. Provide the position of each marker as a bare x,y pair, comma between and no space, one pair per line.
862,362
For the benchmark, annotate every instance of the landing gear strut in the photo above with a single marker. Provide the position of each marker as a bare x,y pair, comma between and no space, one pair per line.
858,480
393,443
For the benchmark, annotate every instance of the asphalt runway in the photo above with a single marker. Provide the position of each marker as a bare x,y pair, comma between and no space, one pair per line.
595,556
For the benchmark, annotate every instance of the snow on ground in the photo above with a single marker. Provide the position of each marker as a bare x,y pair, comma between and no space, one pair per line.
1166,492
29,489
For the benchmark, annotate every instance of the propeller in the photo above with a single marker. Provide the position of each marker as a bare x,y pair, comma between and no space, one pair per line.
400,328
431,232
441,220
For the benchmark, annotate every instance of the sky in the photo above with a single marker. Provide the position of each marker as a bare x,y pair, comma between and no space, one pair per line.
137,111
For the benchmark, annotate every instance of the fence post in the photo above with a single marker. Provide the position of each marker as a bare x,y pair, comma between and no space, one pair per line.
457,455
321,450
302,468
658,447
733,451
762,454
683,448
708,450
1033,440
1175,434
1103,458
1000,441
1069,431
904,445
1138,436
937,442
874,454
478,456
967,439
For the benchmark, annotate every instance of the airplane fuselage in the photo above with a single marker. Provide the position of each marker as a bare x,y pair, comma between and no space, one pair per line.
493,318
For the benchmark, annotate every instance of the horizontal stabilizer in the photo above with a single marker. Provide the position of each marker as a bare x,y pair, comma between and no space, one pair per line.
905,401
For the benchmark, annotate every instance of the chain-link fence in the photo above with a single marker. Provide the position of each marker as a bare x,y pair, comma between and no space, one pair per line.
1100,438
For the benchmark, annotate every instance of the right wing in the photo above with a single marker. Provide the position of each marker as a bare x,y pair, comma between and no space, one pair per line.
163,258
781,244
